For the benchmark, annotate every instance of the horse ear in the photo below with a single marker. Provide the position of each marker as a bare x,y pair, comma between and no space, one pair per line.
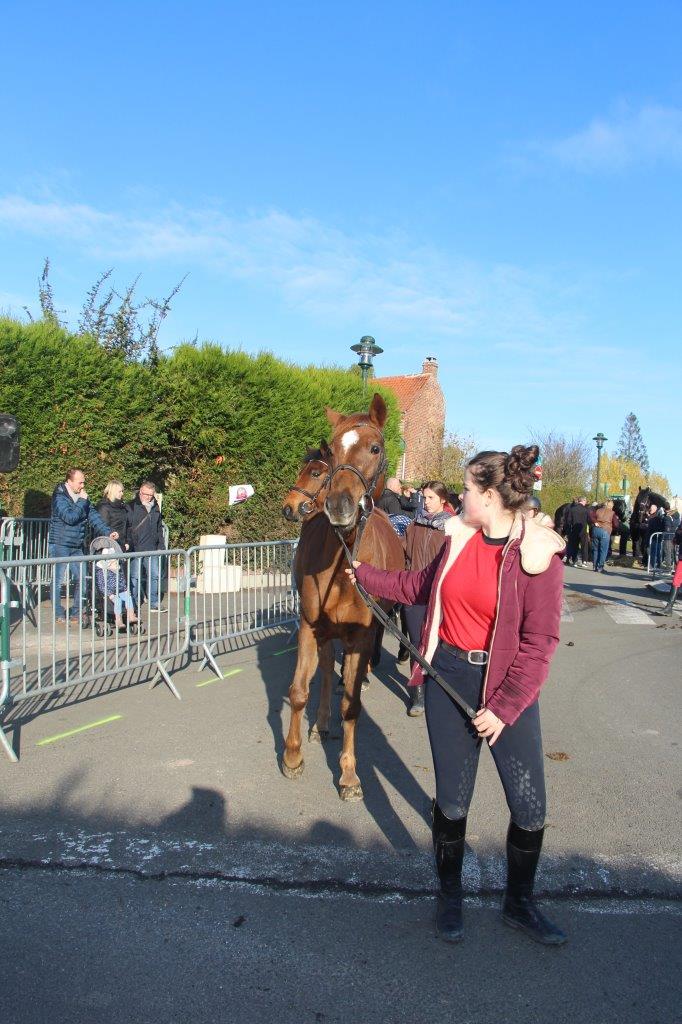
325,450
333,417
377,410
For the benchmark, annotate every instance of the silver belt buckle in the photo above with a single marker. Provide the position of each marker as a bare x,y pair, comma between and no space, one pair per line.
477,657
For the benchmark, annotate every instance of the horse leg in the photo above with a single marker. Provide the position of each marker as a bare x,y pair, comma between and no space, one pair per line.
306,663
349,783
320,730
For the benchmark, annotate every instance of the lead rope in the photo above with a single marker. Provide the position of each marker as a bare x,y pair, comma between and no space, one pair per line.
379,614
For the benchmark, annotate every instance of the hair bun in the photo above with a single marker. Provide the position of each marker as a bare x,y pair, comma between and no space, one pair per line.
518,466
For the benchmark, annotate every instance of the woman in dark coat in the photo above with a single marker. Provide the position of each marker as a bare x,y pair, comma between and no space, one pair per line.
114,512
424,538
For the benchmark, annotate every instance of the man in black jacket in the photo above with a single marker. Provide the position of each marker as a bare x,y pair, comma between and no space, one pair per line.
145,533
575,531
393,502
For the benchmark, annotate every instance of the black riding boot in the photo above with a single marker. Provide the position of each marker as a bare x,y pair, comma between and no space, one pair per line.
417,706
448,845
668,610
519,909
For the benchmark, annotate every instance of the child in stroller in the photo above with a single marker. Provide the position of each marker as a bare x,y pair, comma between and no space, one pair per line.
112,590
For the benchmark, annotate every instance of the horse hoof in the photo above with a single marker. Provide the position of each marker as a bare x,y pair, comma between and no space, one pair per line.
318,735
351,793
292,773
365,683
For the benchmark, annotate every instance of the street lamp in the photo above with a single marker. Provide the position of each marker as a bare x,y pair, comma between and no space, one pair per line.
367,349
599,441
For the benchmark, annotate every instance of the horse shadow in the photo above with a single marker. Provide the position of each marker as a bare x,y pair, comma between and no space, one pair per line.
377,756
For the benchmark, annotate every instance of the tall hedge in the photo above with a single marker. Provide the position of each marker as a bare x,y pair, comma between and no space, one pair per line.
202,419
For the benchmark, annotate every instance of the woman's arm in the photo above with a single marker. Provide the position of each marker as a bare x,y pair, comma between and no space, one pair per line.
538,640
403,585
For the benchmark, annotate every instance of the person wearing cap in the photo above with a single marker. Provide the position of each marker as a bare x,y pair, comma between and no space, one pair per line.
534,511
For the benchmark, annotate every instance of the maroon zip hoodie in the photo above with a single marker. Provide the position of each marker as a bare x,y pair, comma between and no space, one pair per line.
526,629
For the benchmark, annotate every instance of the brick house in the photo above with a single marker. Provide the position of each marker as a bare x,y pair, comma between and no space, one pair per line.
422,420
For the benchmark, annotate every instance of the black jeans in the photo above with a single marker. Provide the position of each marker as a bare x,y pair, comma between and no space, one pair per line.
455,747
414,619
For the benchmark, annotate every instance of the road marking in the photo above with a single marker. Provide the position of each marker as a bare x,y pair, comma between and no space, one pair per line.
285,651
566,613
81,728
625,614
217,679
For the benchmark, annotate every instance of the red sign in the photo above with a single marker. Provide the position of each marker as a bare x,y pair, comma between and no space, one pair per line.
537,472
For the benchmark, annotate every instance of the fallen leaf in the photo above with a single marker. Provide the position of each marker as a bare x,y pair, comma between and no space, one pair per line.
557,755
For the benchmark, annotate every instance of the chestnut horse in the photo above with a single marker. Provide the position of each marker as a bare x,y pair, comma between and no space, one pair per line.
330,605
308,493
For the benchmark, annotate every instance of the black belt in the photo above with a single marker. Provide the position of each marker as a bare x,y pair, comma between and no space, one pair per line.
479,658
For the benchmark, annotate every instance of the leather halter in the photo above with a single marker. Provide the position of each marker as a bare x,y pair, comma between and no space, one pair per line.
312,498
366,502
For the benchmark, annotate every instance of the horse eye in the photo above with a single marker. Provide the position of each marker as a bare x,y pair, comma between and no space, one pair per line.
375,449
316,472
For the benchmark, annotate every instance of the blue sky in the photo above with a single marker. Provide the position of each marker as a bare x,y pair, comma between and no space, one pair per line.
495,184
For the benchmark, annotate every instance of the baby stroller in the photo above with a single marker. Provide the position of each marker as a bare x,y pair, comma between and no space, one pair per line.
114,608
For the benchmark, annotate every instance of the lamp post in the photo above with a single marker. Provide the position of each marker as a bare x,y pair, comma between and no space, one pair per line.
599,441
366,349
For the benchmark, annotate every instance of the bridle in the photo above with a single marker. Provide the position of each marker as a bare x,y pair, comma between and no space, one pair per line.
306,507
366,506
366,502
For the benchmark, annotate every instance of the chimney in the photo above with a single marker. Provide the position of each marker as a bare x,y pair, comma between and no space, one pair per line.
430,365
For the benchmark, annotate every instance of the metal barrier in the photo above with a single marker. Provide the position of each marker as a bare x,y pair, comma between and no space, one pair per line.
240,589
212,594
661,555
93,635
25,539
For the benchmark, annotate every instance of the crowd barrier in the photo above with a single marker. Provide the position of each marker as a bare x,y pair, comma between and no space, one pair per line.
78,628
25,539
240,589
661,555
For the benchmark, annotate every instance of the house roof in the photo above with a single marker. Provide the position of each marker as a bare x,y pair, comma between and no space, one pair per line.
406,389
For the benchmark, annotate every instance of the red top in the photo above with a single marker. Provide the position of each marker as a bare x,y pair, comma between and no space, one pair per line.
469,594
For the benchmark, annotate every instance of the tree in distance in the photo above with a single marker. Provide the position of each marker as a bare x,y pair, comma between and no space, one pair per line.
631,444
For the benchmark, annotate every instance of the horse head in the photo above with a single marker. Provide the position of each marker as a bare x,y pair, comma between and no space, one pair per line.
309,490
358,464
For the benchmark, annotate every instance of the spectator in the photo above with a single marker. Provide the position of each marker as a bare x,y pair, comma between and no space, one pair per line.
575,526
653,528
71,513
394,502
145,533
533,510
423,540
604,522
114,511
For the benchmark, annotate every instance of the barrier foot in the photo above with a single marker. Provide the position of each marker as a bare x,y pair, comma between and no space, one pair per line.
210,660
162,674
9,749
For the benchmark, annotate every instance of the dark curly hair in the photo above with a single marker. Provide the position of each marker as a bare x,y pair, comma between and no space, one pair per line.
508,473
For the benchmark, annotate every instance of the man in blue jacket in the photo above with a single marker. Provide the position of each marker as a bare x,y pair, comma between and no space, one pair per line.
71,512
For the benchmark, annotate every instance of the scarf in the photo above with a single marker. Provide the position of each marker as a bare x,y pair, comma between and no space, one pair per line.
434,522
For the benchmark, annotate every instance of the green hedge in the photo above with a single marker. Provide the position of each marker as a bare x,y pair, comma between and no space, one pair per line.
202,419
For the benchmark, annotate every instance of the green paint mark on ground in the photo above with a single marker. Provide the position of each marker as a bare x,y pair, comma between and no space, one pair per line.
216,679
285,651
81,728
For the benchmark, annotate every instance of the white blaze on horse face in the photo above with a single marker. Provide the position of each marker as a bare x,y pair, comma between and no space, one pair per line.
350,438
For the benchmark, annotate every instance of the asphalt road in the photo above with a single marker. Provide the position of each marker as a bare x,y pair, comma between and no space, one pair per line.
130,851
